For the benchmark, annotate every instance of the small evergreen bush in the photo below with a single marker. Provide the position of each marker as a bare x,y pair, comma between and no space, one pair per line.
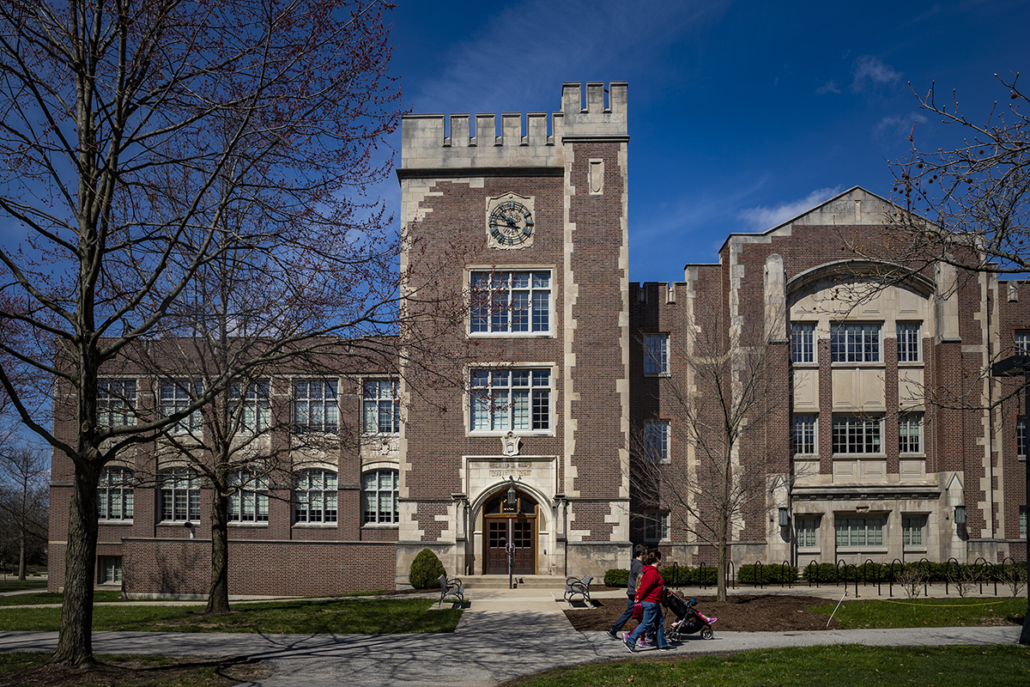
616,577
749,574
425,570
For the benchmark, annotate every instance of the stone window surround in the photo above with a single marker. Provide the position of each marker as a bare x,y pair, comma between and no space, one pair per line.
552,330
550,366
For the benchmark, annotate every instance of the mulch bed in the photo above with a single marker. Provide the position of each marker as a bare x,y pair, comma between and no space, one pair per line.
129,672
745,613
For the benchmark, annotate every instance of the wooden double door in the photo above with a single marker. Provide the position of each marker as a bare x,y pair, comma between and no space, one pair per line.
520,531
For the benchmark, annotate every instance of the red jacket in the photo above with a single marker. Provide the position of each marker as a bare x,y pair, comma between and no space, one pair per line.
650,586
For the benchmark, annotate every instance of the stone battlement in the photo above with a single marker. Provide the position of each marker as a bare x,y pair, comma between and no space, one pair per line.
425,145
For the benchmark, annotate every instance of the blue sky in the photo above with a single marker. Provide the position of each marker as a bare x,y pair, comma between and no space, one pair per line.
742,114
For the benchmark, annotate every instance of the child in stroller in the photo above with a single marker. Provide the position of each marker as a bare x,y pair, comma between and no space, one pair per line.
688,619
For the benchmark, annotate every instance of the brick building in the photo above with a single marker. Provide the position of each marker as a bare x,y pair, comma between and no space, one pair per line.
572,365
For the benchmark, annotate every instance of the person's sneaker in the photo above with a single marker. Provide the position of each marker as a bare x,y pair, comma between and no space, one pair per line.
665,648
632,649
611,635
643,643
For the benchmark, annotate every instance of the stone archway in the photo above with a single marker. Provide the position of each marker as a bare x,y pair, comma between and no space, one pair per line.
516,524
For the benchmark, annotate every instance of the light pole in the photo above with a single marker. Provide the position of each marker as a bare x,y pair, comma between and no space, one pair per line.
1013,367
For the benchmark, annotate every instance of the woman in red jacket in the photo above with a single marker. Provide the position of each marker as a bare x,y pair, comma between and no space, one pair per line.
650,590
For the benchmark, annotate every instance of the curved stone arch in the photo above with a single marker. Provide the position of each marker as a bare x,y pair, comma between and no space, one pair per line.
896,275
542,500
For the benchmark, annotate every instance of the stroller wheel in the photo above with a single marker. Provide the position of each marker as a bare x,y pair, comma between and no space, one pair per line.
706,633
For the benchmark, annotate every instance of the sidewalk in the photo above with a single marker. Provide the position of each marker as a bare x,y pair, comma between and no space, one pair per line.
505,634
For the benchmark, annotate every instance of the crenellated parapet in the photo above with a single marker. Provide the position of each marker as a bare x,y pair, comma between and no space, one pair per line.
436,142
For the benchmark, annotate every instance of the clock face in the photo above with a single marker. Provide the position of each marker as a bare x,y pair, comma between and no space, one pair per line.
511,223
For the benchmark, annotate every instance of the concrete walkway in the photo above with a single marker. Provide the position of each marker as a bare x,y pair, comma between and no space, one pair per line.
506,634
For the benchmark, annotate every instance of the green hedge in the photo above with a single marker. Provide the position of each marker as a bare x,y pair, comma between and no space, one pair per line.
673,576
767,574
616,577
873,572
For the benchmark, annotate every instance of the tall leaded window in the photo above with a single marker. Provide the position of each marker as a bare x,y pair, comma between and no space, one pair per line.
910,431
855,343
180,495
255,405
803,431
115,494
379,489
1023,342
314,496
802,343
656,354
912,527
656,441
807,530
510,400
314,405
859,531
116,402
1021,437
510,302
175,397
856,434
382,406
910,339
1022,522
248,501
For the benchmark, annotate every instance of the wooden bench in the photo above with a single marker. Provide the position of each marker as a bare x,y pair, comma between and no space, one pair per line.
451,588
578,586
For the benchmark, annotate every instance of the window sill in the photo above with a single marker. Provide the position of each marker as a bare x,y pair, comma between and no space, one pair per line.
315,525
657,374
911,456
114,522
248,524
877,548
911,363
381,525
808,550
511,335
859,456
504,432
805,366
177,523
914,549
864,365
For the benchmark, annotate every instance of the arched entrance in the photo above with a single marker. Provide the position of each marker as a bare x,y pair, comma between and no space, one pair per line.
515,523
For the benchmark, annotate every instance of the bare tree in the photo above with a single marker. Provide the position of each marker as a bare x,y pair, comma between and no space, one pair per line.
24,498
716,404
135,132
975,198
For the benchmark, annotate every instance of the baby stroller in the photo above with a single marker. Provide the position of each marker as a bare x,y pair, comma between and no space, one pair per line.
688,619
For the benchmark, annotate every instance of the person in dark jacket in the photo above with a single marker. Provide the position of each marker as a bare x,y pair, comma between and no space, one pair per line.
650,590
636,566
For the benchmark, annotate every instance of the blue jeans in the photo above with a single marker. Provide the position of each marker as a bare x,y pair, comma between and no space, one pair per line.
652,616
625,616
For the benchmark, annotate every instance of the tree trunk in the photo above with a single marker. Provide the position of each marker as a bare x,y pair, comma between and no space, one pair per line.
218,595
75,642
21,554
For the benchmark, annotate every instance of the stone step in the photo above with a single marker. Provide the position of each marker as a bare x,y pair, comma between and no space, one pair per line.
548,582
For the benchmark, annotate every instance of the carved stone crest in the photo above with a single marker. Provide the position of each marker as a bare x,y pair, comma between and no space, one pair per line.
510,444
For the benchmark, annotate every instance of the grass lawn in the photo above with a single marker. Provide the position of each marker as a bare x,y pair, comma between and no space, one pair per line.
99,596
131,671
373,616
927,612
13,584
834,666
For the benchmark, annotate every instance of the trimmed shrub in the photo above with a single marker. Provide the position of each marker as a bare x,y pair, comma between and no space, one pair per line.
616,577
749,574
425,570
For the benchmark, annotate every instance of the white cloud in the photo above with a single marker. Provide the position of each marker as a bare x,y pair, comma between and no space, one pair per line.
870,70
761,218
898,126
828,87
523,53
